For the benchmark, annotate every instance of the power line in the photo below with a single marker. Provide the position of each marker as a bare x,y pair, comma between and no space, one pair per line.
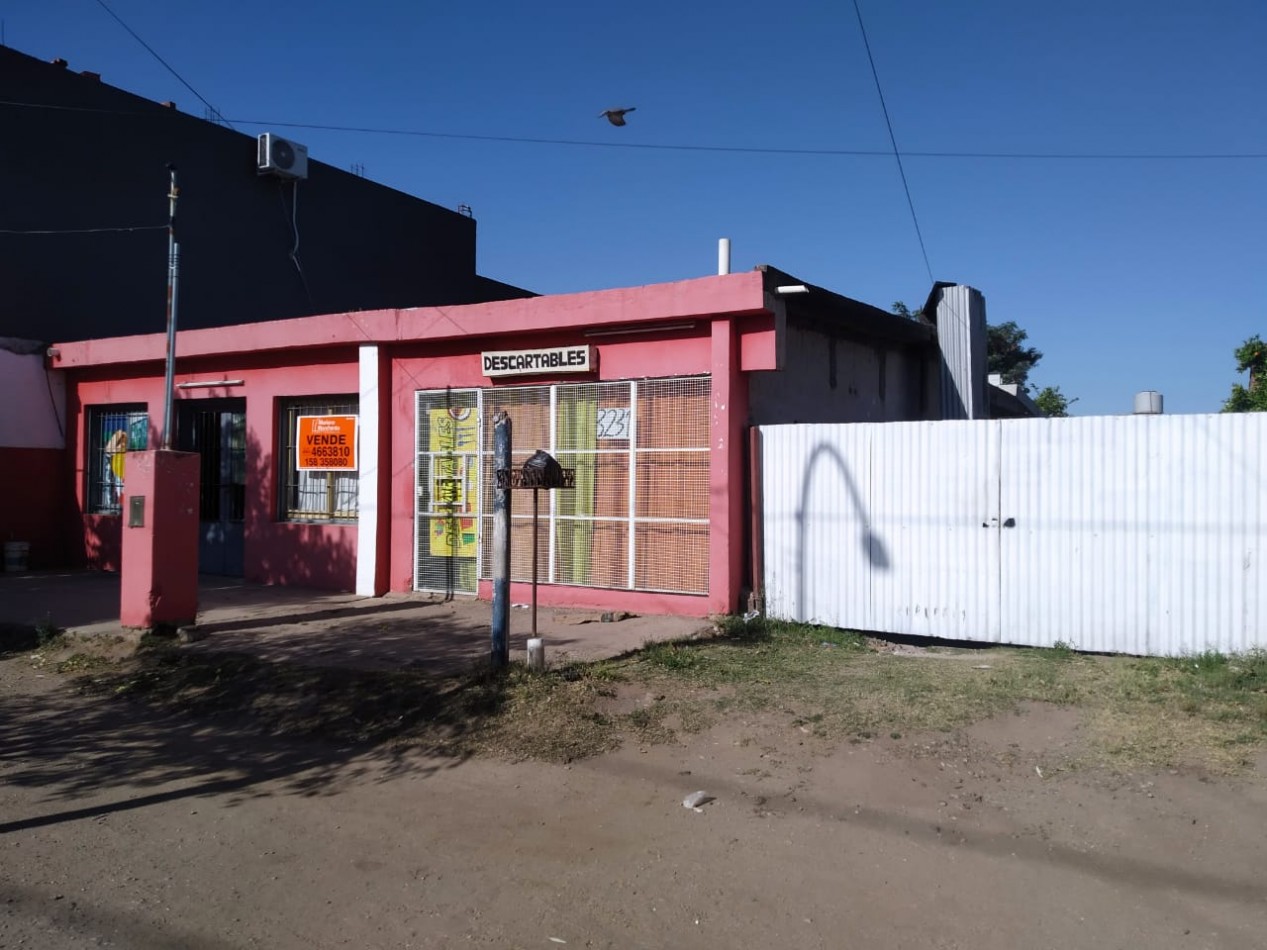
679,147
143,227
166,64
893,139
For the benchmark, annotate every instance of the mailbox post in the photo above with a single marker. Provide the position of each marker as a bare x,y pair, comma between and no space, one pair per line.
541,472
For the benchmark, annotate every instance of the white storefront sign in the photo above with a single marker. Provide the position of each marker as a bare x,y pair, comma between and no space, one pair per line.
555,359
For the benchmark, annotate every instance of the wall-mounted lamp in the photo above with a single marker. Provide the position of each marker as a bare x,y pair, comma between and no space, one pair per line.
209,383
792,289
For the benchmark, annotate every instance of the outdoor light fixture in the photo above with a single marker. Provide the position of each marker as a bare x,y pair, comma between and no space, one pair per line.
657,328
210,383
792,289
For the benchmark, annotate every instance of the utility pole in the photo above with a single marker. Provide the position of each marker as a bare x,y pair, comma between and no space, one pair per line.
173,279
501,543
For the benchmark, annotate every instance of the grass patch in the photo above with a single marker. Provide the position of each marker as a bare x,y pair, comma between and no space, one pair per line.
1209,709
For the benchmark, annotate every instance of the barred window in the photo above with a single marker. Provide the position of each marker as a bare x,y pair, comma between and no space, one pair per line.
112,431
314,495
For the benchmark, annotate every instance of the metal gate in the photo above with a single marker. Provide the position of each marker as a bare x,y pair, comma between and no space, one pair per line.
1122,534
447,495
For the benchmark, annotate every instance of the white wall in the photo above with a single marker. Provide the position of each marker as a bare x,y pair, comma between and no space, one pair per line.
32,402
1122,534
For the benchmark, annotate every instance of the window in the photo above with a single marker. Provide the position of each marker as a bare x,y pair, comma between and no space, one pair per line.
637,518
308,495
112,431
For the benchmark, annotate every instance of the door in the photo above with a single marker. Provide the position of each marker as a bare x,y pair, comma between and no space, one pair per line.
447,497
216,430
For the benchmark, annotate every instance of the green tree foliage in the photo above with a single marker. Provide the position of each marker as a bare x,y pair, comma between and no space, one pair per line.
1053,402
1006,354
1251,356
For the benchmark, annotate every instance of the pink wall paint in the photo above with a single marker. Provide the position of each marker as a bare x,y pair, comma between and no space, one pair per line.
737,294
276,552
726,475
457,365
730,333
158,584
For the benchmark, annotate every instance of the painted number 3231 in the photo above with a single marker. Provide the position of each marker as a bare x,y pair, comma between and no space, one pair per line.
613,423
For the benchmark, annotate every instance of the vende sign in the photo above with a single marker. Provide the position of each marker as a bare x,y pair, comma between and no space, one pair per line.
326,444
555,359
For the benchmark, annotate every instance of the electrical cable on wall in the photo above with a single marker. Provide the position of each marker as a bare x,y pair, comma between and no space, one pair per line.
143,227
292,217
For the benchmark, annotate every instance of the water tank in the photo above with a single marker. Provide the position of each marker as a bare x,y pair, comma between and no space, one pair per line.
1148,403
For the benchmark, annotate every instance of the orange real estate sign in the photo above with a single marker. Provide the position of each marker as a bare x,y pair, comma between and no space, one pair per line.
326,444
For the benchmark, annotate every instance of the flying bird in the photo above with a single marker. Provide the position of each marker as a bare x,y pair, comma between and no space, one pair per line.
616,116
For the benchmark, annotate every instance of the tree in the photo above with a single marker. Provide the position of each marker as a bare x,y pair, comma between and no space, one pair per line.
1005,354
1053,402
1252,356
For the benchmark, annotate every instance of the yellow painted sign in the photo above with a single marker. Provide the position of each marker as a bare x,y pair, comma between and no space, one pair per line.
454,444
453,537
326,444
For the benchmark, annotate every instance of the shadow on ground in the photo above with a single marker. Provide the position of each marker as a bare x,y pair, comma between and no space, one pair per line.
173,724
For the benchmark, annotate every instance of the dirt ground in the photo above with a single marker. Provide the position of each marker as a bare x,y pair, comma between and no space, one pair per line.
124,827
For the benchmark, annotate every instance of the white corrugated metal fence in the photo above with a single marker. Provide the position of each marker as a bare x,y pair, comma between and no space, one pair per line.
1130,534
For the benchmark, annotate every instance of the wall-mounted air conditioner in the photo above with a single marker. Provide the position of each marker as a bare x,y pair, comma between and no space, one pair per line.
280,157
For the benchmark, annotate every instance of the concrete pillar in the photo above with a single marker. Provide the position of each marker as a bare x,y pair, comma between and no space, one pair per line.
728,418
373,526
159,562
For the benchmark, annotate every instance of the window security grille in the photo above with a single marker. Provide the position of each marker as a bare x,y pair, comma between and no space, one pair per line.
315,496
112,431
638,517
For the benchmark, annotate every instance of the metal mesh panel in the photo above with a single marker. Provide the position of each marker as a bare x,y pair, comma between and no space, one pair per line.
671,485
316,496
447,493
112,431
640,451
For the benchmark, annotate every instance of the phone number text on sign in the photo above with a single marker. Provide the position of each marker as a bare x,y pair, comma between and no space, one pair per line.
325,444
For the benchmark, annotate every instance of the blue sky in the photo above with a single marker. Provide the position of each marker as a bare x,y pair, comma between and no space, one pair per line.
1128,275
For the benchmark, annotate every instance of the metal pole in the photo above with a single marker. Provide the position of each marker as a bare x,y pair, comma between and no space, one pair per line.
501,544
173,280
535,494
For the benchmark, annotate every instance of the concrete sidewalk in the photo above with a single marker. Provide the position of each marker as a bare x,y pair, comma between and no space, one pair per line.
415,631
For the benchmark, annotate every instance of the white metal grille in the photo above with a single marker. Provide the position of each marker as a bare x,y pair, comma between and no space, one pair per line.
638,517
447,491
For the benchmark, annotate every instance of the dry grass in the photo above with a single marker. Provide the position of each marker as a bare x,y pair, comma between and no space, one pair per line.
1209,710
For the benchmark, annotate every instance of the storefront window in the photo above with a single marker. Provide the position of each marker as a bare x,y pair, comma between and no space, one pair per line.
112,432
637,518
322,483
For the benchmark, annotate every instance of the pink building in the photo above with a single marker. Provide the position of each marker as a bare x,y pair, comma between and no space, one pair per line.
647,392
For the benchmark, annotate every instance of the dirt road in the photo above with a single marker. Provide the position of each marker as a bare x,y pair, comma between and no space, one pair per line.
123,828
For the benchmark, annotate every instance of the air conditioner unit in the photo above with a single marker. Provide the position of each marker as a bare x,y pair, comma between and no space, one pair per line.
281,157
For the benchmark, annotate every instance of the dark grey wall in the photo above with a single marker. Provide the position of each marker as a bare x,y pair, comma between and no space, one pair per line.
362,245
838,379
